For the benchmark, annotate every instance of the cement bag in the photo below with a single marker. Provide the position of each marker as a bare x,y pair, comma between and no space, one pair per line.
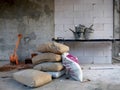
57,74
32,78
43,57
49,66
73,68
53,47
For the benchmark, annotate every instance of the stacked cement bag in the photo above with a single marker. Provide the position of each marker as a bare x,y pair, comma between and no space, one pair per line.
46,57
32,78
49,59
49,66
53,47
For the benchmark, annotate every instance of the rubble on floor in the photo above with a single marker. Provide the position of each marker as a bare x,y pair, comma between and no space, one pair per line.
9,67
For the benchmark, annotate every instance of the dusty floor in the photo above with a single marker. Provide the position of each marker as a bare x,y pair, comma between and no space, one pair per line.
107,79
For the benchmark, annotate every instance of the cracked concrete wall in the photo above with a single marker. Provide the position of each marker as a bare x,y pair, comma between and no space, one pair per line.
34,19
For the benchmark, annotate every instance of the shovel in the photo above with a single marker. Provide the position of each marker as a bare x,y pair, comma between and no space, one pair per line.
14,56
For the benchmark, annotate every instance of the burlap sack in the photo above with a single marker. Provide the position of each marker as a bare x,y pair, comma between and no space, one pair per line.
53,47
43,57
49,66
32,78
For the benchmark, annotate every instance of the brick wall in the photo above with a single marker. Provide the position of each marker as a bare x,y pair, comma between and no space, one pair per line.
69,13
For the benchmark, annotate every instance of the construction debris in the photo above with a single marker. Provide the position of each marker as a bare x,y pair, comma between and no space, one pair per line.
9,67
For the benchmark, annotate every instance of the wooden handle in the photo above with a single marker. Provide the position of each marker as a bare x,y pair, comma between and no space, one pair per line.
17,43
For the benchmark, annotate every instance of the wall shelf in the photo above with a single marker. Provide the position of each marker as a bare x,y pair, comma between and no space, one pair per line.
82,40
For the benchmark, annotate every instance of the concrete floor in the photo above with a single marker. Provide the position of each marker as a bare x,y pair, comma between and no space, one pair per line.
107,79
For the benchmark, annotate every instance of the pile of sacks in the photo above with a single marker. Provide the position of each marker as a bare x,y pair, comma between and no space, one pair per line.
49,59
47,64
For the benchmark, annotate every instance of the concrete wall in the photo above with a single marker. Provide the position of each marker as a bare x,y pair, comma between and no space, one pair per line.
32,18
116,33
69,13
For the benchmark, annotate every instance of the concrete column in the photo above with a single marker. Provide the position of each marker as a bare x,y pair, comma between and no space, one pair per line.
116,26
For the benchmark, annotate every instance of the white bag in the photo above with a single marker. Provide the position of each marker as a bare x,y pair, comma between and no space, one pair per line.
57,74
72,66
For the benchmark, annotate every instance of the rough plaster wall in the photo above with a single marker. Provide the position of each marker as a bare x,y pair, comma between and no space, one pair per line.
116,33
69,13
32,18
